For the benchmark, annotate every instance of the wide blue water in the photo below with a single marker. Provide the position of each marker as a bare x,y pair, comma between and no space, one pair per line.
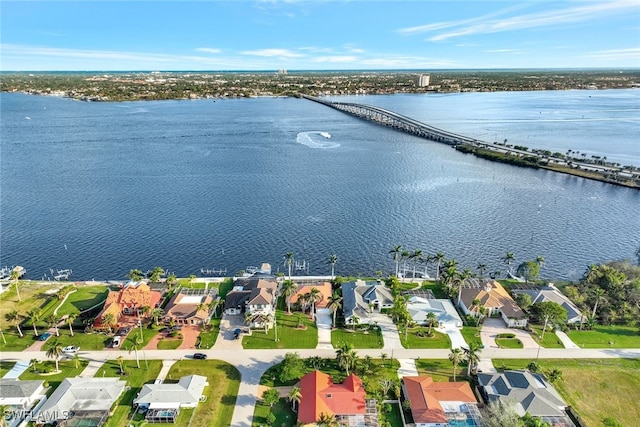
102,188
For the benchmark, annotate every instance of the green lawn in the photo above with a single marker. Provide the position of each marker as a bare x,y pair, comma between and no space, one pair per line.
32,294
596,389
471,334
169,343
144,334
550,340
92,341
14,342
135,379
437,288
369,338
440,369
289,336
221,394
67,368
208,339
393,417
82,299
509,343
607,337
5,367
438,340
285,417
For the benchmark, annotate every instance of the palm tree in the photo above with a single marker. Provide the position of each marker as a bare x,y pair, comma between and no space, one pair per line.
135,347
135,275
4,340
32,363
404,256
109,320
335,303
15,275
54,352
156,274
332,260
70,318
396,256
16,318
34,315
76,360
540,261
192,278
432,320
171,280
120,360
294,397
288,261
315,296
599,295
455,357
326,420
472,356
508,259
554,375
481,269
346,357
417,257
439,258
156,314
427,260
288,289
52,321
355,321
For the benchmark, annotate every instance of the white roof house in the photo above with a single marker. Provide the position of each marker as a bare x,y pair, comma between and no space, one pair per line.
20,394
186,393
445,312
76,395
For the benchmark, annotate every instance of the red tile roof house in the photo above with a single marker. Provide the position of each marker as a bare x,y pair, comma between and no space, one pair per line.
435,404
125,304
320,395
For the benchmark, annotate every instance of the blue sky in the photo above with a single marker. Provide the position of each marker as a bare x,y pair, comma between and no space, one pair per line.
318,35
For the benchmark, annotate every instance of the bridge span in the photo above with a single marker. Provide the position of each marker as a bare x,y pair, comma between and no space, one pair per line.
400,122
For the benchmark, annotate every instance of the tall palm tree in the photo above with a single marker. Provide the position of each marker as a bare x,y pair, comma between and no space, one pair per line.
16,318
288,289
427,260
15,275
70,318
288,261
76,360
332,260
404,256
52,322
34,315
432,320
171,281
294,397
481,269
54,352
120,361
508,259
192,278
455,357
4,340
334,303
156,314
472,356
156,274
135,347
109,320
32,363
539,261
417,257
355,321
439,259
135,275
346,357
315,296
599,295
396,256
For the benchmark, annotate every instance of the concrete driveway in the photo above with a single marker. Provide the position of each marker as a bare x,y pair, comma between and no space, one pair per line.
323,321
457,340
226,340
389,330
492,327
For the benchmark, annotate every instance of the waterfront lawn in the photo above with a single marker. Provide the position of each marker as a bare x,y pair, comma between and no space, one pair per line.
437,288
440,369
471,334
86,341
80,299
221,394
607,337
67,370
207,339
14,341
289,336
596,388
135,379
5,367
438,340
369,338
285,417
550,340
32,294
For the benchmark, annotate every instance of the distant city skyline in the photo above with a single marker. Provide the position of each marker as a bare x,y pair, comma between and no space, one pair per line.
317,35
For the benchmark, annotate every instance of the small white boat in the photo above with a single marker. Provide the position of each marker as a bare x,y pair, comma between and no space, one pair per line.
325,134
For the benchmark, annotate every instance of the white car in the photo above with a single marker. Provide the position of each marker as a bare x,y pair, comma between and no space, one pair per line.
116,341
71,349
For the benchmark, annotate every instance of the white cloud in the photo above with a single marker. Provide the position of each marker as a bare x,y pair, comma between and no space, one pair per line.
335,58
617,54
208,50
281,53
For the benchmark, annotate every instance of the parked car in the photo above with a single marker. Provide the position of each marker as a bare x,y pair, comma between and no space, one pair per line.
116,341
200,356
71,349
123,331
45,336
236,334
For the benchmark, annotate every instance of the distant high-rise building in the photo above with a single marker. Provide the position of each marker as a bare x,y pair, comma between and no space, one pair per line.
423,81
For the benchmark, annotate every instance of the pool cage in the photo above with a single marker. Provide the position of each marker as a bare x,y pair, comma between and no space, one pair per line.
162,415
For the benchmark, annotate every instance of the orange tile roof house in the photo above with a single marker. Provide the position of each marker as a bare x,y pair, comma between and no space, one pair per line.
128,301
435,404
323,287
321,396
494,298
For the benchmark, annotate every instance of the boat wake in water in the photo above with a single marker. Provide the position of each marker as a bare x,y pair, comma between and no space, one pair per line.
316,139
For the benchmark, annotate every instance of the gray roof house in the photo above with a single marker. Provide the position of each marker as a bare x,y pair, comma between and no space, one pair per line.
361,298
164,400
20,394
445,312
87,398
530,392
551,293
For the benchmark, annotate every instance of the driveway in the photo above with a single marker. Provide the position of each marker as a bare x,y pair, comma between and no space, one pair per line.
457,340
189,336
389,330
492,327
228,324
323,321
